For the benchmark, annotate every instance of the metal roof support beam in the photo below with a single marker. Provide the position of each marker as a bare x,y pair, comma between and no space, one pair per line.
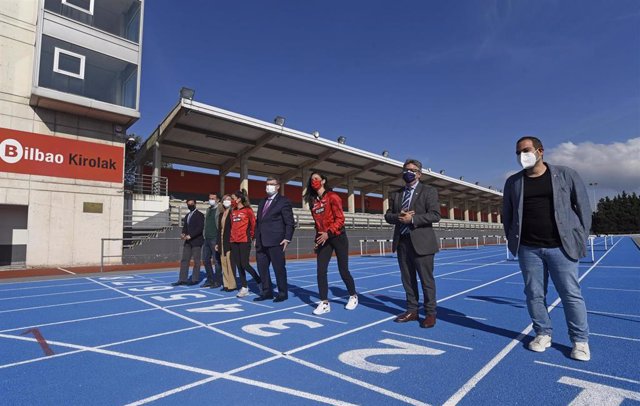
157,160
466,210
305,175
246,153
244,174
452,210
351,200
349,174
287,176
489,214
478,211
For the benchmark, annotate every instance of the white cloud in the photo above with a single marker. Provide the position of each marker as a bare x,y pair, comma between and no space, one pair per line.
615,167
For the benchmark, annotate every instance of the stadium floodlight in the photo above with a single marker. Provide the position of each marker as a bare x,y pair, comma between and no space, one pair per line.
342,139
187,93
385,153
461,178
316,134
279,120
477,183
441,171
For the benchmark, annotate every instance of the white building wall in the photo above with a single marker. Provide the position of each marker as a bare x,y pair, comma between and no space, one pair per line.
59,232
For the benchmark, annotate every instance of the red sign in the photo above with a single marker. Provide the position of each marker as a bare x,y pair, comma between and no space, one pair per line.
36,154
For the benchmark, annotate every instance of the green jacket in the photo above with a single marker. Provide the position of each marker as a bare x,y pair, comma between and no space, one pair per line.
211,224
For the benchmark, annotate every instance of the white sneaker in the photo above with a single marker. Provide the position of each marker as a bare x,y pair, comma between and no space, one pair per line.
243,292
540,343
352,303
581,351
323,307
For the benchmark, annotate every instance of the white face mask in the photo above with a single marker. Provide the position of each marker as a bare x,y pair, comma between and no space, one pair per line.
213,203
271,190
226,204
527,159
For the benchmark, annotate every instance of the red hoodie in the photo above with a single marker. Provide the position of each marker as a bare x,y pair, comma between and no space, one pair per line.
243,225
328,215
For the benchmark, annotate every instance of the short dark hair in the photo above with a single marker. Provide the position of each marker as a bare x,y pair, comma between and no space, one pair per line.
414,162
537,144
190,200
214,193
273,178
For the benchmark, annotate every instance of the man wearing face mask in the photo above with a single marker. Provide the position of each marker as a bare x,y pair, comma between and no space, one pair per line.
192,228
413,209
274,231
546,218
209,253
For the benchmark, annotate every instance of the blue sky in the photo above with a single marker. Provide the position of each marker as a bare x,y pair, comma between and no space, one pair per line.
452,83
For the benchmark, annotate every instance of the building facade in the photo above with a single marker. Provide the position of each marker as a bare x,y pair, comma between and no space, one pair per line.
69,89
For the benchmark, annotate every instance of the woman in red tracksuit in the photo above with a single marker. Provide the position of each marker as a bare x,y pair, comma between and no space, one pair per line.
243,225
326,208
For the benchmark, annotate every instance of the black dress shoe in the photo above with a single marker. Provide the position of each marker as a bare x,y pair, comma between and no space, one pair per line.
207,285
215,285
178,283
262,298
280,298
192,283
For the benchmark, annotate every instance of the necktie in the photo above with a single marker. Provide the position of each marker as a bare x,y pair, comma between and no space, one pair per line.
406,200
266,207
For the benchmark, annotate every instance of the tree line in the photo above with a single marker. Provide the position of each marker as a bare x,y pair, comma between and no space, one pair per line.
620,215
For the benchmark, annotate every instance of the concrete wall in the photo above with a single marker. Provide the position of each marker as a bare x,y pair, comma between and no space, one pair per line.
59,232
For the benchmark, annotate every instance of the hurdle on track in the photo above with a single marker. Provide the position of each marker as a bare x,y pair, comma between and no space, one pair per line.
499,239
458,243
382,251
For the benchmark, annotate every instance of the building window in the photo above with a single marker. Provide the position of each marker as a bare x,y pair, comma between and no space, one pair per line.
68,63
70,68
85,6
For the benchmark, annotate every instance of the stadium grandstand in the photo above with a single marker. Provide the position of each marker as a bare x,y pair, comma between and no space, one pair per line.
229,151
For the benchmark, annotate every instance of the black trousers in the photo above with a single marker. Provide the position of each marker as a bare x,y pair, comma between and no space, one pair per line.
240,252
187,252
273,256
411,264
339,244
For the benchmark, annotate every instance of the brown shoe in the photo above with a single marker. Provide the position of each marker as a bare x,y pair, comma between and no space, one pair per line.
406,316
428,321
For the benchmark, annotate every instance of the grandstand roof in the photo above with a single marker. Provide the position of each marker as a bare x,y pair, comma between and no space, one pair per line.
200,135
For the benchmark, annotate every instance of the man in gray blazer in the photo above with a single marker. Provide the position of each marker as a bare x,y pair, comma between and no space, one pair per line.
413,209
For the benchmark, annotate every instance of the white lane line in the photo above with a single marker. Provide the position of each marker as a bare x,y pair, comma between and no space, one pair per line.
255,303
466,317
429,341
78,320
616,337
172,391
358,382
59,305
45,287
202,371
613,314
344,333
67,271
462,279
475,379
617,378
320,318
51,294
614,289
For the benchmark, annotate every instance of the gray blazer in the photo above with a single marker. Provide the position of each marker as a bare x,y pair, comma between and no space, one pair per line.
571,207
425,203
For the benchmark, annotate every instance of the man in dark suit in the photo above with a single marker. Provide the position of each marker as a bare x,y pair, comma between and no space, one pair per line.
193,225
274,231
413,209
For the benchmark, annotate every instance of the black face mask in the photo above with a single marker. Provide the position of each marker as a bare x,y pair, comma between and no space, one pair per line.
191,207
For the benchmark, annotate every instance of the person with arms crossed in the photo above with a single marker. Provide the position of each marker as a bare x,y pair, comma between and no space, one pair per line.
193,225
328,217
274,231
547,217
413,209
209,253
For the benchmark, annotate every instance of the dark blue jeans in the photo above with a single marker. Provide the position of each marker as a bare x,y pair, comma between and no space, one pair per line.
214,273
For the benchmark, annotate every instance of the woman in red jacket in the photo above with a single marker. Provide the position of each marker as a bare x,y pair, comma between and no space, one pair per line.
326,208
243,225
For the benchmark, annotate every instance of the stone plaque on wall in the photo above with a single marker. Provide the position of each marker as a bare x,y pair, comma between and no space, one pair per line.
88,207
